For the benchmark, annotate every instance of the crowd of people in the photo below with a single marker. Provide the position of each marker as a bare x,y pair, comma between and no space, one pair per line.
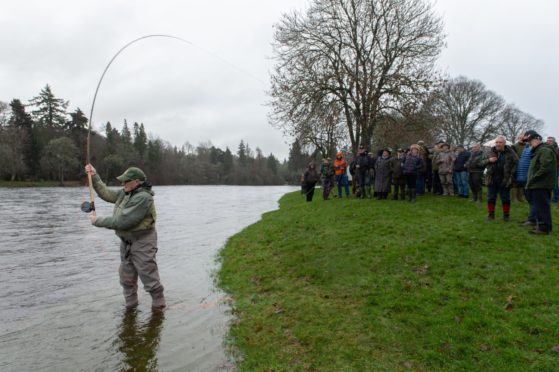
523,171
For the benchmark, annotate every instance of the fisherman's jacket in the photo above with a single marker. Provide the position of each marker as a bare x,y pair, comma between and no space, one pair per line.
134,211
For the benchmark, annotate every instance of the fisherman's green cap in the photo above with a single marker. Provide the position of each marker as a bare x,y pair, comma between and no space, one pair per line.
132,173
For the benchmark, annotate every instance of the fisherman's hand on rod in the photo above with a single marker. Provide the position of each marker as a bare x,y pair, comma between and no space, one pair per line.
89,169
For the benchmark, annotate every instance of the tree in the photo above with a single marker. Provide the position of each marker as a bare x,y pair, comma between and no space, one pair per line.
59,157
272,164
125,135
12,145
242,154
76,129
140,139
466,111
30,147
514,122
50,111
361,57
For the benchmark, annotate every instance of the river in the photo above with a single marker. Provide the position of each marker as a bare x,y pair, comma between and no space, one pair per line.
61,306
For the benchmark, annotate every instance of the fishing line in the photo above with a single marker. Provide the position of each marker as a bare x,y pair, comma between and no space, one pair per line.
90,206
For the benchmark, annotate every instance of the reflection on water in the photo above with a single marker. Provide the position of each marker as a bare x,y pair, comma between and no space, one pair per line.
61,305
138,342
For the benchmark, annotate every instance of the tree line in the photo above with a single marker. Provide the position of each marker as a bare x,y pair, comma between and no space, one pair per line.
362,72
48,143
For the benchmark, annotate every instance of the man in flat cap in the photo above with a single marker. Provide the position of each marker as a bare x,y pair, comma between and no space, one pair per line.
542,178
133,220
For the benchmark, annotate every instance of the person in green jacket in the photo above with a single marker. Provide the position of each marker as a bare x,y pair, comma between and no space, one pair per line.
133,220
542,178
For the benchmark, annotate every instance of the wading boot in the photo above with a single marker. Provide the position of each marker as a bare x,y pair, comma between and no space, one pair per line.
413,194
158,301
491,216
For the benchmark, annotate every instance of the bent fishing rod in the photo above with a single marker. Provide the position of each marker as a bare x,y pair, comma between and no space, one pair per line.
90,206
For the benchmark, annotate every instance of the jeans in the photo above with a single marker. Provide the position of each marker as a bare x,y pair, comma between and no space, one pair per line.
341,180
462,182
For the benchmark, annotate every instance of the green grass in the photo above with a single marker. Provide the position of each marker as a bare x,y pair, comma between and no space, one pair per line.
359,285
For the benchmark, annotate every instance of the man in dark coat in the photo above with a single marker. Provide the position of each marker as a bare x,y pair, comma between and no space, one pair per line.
475,171
501,164
542,178
398,178
362,165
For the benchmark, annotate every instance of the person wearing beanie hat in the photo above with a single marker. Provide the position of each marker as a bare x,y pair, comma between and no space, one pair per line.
133,220
542,179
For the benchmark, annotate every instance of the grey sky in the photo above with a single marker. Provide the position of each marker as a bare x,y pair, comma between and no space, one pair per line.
183,94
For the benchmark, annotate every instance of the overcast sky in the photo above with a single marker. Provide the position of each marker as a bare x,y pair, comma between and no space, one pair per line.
185,93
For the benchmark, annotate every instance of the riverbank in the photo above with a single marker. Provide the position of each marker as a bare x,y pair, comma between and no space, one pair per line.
14,184
388,285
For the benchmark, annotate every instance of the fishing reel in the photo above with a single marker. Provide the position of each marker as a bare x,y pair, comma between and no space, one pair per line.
88,207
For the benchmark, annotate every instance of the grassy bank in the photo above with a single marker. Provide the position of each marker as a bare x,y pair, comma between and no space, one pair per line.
40,184
389,285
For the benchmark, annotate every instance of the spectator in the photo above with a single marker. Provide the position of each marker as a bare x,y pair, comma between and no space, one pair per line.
411,168
437,187
551,142
501,164
310,178
460,172
542,179
362,165
398,178
327,176
383,174
517,189
521,177
445,161
340,169
475,170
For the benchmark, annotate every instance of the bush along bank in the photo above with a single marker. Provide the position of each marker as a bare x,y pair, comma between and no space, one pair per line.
350,284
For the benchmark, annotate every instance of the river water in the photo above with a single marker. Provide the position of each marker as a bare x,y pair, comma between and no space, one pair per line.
61,307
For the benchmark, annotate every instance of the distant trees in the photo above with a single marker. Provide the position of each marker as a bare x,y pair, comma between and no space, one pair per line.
351,61
60,158
50,144
464,111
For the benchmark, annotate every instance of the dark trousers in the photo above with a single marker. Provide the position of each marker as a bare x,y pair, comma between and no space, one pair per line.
326,187
437,187
411,180
309,190
476,184
504,192
541,199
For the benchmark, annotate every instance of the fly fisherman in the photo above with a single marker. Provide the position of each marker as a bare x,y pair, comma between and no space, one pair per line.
133,220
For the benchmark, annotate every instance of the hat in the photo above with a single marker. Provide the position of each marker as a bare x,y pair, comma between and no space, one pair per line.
339,153
400,149
445,144
132,173
462,146
532,134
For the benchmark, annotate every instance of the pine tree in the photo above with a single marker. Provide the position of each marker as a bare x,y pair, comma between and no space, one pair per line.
50,111
125,135
140,139
241,153
31,150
